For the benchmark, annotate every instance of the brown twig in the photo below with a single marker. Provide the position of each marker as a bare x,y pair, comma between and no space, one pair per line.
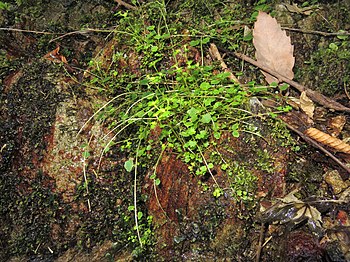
126,5
261,239
317,145
346,91
84,31
304,31
27,31
314,95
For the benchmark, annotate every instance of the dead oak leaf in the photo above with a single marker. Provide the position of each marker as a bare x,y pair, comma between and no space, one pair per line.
273,47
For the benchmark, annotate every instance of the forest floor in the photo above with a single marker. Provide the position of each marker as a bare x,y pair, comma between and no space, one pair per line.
126,135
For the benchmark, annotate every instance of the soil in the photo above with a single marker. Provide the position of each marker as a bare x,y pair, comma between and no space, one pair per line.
61,201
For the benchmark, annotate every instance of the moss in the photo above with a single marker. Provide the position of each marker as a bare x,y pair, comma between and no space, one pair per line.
306,172
231,240
33,217
323,65
329,67
28,204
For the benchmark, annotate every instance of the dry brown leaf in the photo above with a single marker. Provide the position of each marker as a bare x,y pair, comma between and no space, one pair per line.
55,56
336,124
328,140
273,47
307,105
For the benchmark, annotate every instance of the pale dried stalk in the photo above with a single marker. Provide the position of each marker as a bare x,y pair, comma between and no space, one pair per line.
214,53
304,31
128,6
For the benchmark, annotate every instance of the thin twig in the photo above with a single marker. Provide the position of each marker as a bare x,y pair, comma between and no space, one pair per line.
84,31
154,183
135,196
305,31
261,239
27,31
346,91
317,145
126,5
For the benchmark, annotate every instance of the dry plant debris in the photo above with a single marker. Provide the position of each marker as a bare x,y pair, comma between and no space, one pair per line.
55,56
292,210
307,105
273,47
328,140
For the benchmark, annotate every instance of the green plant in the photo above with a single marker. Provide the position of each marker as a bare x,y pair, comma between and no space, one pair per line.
4,6
173,101
145,226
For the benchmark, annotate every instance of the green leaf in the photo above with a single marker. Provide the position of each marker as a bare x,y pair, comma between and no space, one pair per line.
283,87
208,101
202,134
157,181
86,154
201,171
215,81
224,166
342,37
217,192
192,143
274,84
333,47
205,40
154,48
128,165
4,6
235,126
248,37
193,113
217,105
223,75
189,132
206,118
194,42
205,86
235,133
217,135
139,215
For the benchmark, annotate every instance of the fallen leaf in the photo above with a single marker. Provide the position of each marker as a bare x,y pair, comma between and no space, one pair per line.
328,140
307,105
273,47
290,209
55,56
336,124
293,102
